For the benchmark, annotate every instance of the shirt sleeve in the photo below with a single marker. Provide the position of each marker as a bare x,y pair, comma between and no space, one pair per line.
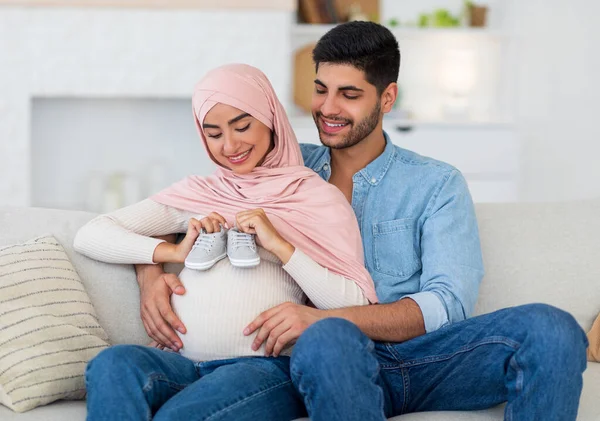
451,256
125,235
325,289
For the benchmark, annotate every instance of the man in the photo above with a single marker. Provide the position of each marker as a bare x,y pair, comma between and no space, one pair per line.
417,350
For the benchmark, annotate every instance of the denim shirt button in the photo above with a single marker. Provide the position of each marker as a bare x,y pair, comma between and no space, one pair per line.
326,167
373,180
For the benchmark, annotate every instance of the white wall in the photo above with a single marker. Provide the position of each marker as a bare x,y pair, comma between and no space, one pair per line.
119,53
555,88
559,98
74,142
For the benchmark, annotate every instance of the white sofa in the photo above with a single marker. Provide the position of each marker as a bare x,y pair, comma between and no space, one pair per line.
533,253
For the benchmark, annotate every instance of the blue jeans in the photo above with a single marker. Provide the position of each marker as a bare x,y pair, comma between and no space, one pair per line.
530,356
130,382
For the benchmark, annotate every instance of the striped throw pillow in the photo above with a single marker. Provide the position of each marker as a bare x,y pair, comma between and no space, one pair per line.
48,327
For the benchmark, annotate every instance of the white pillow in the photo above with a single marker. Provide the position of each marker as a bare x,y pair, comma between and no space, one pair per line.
48,327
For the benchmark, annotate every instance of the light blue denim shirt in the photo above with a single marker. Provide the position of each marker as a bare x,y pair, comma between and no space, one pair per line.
419,231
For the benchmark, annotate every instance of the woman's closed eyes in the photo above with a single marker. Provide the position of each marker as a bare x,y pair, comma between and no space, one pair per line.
218,135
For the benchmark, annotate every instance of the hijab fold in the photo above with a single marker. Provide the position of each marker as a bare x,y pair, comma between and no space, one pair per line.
308,212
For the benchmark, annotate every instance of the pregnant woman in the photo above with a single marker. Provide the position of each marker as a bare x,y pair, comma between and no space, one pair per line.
308,242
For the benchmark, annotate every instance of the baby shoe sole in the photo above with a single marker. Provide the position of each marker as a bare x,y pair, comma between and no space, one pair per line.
204,265
242,263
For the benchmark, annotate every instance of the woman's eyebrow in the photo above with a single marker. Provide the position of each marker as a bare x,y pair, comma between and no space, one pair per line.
238,118
230,122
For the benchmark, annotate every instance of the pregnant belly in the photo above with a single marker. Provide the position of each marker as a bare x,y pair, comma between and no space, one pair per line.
220,302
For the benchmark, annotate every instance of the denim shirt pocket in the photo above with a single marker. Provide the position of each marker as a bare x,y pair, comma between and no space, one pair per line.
394,251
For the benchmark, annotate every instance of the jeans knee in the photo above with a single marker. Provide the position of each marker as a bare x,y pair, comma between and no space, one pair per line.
111,362
556,331
328,342
329,333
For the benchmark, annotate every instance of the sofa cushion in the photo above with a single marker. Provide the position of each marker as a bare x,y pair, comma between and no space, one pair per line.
56,411
543,252
594,339
112,288
48,327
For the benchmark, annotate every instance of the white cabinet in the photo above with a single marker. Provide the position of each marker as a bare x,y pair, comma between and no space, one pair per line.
486,153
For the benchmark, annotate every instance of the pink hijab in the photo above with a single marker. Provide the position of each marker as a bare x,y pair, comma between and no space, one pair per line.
311,214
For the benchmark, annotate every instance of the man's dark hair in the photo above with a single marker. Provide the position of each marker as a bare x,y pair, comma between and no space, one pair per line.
367,46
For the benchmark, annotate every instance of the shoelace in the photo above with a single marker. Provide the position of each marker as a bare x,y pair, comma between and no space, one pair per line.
241,239
204,242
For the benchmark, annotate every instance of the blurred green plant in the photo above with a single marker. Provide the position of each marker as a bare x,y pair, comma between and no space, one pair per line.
442,18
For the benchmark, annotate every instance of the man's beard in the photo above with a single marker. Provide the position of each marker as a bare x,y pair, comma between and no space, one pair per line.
363,129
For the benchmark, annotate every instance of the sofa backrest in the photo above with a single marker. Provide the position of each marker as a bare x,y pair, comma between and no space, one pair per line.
532,253
543,252
112,288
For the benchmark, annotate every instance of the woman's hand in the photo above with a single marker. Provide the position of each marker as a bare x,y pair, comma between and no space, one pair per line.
255,221
211,223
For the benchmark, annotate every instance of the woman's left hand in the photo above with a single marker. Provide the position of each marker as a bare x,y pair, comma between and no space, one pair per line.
255,221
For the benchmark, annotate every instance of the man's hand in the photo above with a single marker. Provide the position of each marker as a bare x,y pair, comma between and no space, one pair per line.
157,314
282,326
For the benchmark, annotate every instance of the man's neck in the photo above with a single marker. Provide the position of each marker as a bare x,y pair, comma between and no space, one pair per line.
349,161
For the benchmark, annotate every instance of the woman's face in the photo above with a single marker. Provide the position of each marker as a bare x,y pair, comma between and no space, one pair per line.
235,139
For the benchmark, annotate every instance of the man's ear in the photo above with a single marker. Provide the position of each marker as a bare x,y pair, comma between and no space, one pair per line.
388,97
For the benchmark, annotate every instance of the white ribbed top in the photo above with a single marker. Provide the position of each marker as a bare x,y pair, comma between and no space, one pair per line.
220,302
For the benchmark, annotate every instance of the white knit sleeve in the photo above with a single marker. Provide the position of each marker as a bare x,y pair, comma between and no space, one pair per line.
125,235
325,289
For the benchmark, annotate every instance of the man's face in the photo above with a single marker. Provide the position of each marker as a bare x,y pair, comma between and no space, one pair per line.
345,107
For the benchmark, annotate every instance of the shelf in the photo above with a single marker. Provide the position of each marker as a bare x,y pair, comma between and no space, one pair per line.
287,5
409,124
317,30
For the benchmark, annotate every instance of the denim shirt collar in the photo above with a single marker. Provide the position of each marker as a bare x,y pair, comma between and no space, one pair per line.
324,160
374,172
